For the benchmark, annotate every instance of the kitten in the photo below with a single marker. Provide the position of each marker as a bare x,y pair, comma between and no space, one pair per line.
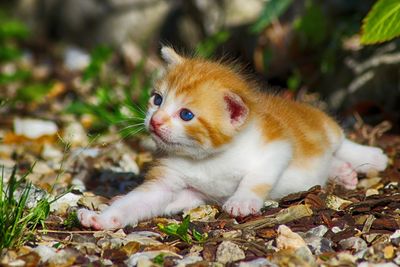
229,144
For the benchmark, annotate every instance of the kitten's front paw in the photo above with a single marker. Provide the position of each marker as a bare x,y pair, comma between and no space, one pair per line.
242,206
89,218
375,159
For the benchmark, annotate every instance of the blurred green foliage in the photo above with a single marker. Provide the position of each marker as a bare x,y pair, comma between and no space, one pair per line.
34,92
124,107
109,102
272,10
99,56
320,34
11,32
19,75
312,26
313,37
207,48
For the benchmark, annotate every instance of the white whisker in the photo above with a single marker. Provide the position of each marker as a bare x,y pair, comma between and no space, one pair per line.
132,126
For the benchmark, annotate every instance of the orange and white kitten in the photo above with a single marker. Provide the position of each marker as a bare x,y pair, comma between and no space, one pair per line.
229,144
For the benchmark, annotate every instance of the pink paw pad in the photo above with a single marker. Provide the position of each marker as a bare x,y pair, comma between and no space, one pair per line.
86,217
346,176
91,219
242,207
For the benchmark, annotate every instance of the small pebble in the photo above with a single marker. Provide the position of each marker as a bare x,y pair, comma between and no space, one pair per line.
228,251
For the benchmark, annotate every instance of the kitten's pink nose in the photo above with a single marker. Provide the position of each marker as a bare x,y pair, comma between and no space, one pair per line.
158,119
155,124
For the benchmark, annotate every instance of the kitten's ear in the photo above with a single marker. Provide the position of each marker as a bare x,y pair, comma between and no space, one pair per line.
170,56
238,111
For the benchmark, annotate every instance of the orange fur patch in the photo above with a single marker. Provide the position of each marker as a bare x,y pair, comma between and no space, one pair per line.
261,190
156,172
302,124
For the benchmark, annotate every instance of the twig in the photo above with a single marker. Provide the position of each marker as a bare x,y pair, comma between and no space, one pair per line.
67,232
244,242
286,215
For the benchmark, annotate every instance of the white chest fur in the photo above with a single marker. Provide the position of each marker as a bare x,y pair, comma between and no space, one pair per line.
218,176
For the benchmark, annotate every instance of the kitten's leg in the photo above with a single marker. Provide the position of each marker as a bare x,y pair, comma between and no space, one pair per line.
249,198
343,173
147,200
362,158
185,200
255,186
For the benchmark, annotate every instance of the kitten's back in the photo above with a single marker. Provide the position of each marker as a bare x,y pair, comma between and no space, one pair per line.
311,131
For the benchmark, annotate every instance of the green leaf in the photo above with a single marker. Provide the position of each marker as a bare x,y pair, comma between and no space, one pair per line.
169,229
178,230
382,23
184,227
198,236
272,10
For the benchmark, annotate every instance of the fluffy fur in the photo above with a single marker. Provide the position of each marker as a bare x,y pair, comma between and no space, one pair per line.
241,147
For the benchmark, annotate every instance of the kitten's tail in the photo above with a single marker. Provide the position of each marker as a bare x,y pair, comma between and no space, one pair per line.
362,158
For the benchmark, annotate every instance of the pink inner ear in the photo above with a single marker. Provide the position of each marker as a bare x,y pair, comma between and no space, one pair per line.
235,107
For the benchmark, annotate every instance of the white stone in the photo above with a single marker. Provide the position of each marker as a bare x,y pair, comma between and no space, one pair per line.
146,238
287,239
78,184
86,152
319,231
76,59
188,260
17,263
203,213
354,243
75,134
369,264
34,128
63,203
51,153
336,229
270,204
395,234
142,257
260,262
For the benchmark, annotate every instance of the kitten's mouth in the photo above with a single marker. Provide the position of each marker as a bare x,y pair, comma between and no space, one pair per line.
159,136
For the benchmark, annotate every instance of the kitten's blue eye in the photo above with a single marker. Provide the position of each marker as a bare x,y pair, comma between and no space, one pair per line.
186,114
157,99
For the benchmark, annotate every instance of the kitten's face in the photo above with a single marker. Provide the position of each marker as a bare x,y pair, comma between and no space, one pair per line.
192,111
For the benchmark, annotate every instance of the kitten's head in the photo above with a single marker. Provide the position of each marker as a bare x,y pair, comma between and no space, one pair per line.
197,107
